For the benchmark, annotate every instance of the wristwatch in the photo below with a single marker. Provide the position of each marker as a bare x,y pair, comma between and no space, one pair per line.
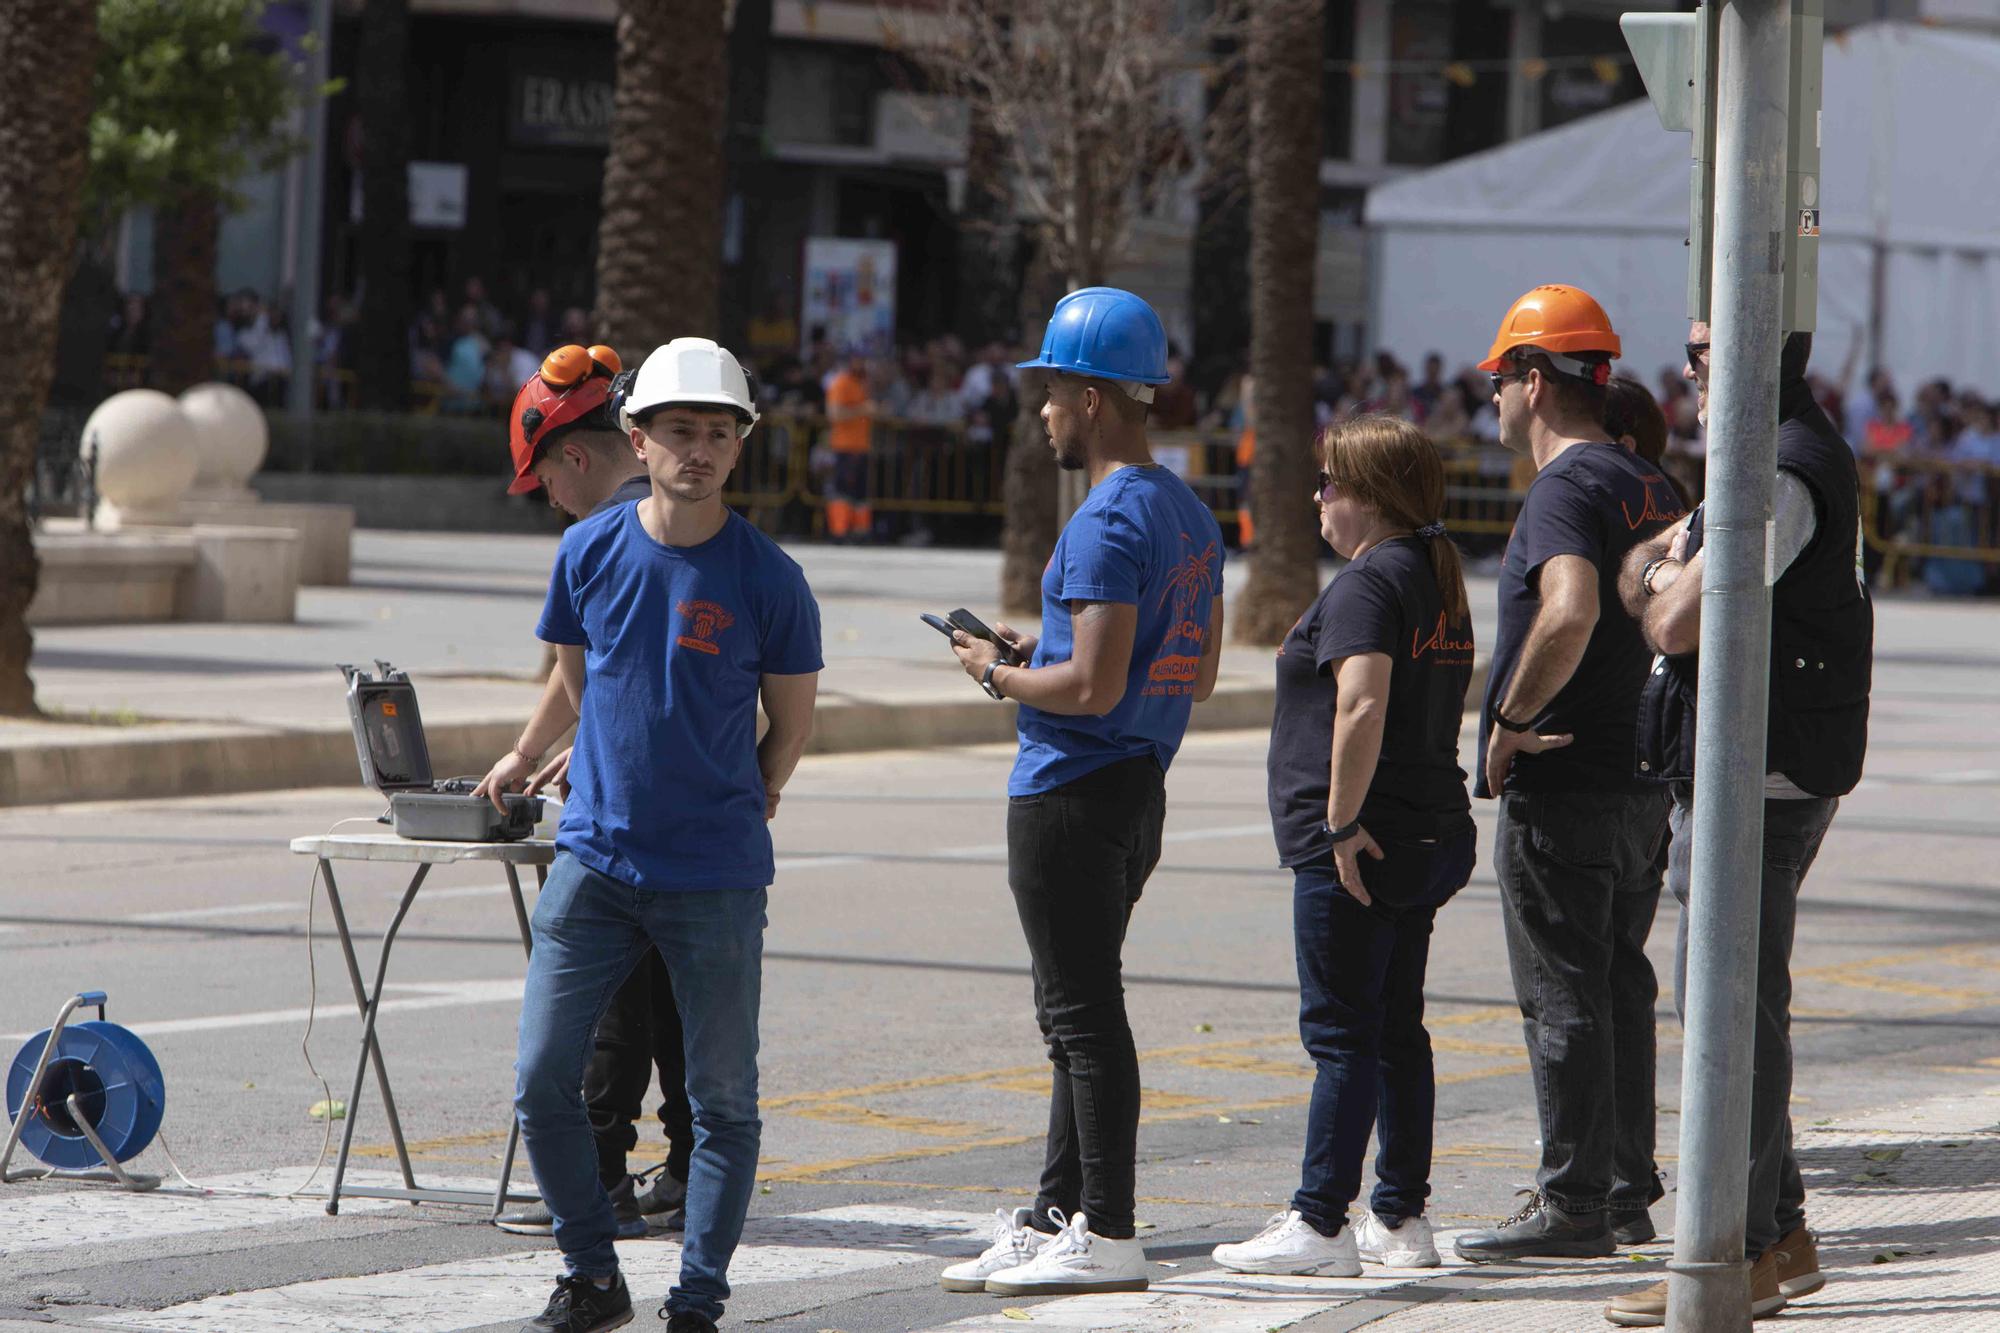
1339,835
986,679
1500,721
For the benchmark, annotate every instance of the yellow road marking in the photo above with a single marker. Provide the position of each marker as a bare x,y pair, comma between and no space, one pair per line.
813,1170
847,1113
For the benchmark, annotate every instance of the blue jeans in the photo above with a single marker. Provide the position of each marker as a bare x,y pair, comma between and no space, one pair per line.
1361,1017
590,931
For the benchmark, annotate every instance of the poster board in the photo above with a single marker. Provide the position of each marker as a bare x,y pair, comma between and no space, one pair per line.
850,295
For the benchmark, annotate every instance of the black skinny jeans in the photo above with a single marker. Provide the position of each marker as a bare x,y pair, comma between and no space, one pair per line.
1077,860
639,1031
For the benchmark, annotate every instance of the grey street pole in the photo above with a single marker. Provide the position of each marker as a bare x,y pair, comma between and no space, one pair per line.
1709,1280
305,281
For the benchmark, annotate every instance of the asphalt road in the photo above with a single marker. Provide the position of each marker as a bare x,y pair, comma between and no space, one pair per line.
904,1084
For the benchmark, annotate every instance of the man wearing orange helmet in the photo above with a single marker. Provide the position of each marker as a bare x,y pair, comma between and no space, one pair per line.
1577,848
565,438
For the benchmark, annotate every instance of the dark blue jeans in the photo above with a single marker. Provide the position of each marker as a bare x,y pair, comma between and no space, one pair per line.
1793,831
1361,1017
1579,882
589,932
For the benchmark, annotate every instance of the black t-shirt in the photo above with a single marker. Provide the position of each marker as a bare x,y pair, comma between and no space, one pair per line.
1597,501
1387,601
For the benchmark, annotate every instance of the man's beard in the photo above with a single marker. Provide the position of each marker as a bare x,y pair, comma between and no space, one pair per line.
1070,457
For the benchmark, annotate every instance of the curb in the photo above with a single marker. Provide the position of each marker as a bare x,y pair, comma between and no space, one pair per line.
195,759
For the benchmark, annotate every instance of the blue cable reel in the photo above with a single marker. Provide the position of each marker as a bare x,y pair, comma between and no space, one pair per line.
114,1078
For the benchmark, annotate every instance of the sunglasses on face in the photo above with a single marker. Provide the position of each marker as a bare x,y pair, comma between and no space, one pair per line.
1324,484
1697,355
1501,379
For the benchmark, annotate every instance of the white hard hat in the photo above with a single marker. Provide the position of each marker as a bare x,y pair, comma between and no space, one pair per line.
691,372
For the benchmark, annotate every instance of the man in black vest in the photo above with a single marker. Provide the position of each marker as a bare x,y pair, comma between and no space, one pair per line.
1822,652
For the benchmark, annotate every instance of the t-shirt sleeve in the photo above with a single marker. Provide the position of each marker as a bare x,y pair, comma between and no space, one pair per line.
1103,559
561,621
1362,614
1794,519
1559,518
791,644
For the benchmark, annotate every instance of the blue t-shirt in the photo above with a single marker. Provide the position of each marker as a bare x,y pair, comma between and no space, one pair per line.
1143,539
665,792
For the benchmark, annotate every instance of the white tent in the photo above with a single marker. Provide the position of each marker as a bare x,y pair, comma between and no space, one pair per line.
1910,165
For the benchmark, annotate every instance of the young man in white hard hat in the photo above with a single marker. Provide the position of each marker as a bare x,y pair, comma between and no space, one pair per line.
1131,640
565,437
672,619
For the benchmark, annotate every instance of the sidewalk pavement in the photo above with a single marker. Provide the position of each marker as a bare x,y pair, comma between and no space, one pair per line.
1905,1203
186,709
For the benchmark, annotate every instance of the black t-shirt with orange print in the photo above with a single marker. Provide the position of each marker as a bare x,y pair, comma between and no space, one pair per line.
1386,601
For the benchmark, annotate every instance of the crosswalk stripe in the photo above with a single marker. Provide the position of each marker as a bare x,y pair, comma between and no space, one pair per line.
1212,1300
440,1298
32,1220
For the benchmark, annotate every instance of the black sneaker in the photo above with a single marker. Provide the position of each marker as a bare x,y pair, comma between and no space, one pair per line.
581,1306
625,1207
686,1321
666,1195
1540,1229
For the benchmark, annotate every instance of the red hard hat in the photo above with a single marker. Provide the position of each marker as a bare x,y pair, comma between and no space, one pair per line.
570,384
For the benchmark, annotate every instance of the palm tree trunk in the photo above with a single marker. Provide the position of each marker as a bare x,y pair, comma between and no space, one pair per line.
1285,46
47,57
1028,489
659,253
185,234
1221,295
382,351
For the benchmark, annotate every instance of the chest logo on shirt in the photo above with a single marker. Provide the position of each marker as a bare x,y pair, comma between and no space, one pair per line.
705,620
1449,649
1661,505
1190,586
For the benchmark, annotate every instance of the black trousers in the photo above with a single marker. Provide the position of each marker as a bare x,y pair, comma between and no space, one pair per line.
1077,860
640,1031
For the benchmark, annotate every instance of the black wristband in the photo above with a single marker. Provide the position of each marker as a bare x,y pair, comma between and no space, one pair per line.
1500,721
1336,836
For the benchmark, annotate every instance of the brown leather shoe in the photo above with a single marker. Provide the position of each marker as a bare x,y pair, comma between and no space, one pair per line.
1798,1265
1765,1298
1639,1309
1648,1308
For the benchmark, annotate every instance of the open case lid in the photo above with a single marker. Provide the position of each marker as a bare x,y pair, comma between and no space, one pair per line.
388,730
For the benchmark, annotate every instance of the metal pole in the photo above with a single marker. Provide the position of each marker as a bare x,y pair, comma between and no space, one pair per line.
306,226
1709,1279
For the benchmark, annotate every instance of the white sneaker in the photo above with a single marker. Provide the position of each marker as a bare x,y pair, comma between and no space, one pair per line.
1074,1261
1289,1245
1014,1243
1406,1246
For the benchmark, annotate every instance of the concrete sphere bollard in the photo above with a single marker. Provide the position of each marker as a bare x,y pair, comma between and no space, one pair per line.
146,456
231,435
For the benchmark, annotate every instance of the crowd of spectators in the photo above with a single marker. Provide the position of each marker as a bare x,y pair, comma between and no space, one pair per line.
1933,462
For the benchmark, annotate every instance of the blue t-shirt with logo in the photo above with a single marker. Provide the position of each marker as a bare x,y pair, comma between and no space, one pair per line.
1143,539
665,792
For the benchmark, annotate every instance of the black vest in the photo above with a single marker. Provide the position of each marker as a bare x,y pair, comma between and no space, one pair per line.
1822,631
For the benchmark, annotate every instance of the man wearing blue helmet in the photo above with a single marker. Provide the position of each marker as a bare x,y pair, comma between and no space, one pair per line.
1130,642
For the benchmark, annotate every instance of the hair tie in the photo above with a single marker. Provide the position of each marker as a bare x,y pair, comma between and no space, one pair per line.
1430,530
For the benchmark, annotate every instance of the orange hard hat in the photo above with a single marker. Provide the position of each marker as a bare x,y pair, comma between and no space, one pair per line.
1553,318
571,384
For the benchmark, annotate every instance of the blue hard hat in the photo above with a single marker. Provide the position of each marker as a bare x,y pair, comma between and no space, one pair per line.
1107,333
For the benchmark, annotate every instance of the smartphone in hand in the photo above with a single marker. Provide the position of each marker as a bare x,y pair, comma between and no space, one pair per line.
964,621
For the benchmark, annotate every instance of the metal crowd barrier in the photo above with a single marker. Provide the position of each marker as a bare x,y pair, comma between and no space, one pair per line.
1938,518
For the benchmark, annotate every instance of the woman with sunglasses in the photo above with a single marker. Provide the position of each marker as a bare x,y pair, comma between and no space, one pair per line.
1369,808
